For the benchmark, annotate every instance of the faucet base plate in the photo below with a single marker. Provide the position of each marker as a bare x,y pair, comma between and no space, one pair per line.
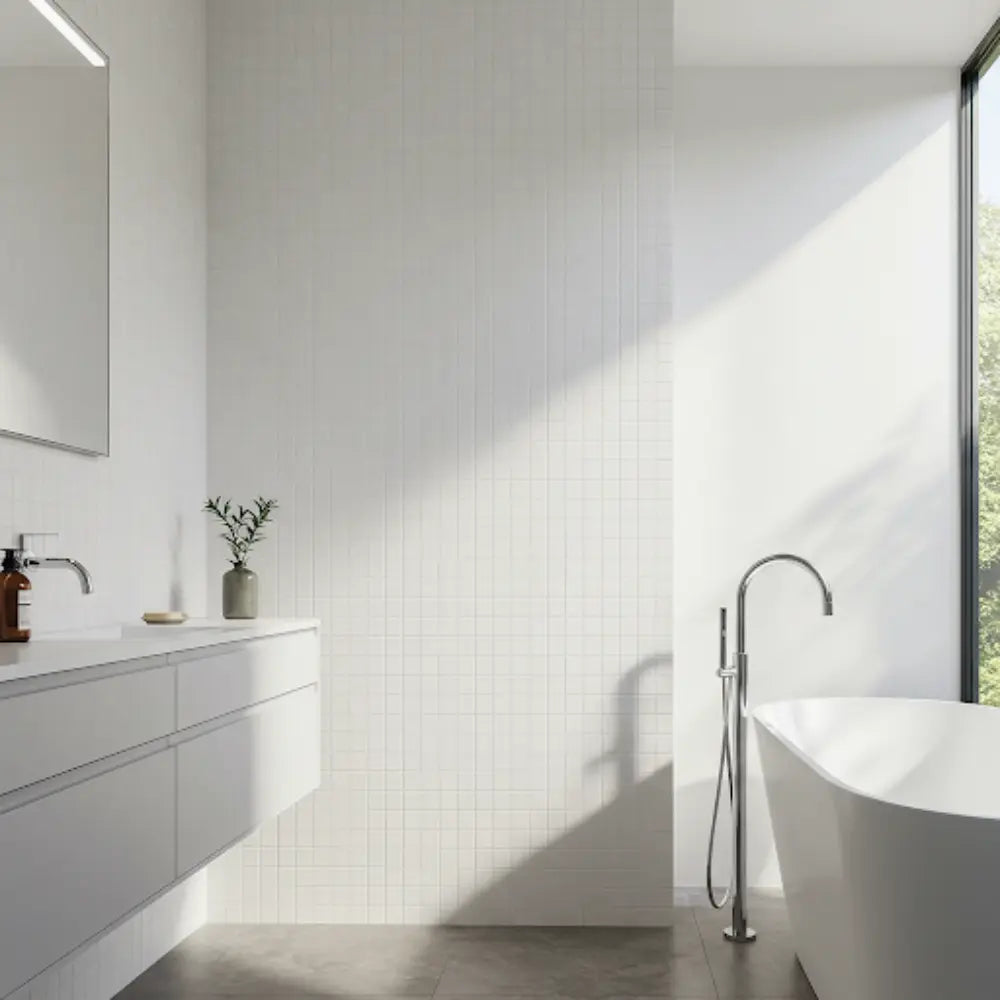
748,936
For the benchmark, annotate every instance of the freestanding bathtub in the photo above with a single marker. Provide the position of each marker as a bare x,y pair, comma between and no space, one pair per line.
886,816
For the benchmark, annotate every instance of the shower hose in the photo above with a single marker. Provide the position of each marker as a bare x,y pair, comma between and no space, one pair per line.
725,775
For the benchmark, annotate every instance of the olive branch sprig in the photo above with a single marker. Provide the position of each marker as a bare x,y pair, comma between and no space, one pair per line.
241,525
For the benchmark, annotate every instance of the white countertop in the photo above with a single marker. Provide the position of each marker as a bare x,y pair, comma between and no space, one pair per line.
54,652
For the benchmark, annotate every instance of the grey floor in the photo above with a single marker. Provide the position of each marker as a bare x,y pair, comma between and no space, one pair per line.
689,961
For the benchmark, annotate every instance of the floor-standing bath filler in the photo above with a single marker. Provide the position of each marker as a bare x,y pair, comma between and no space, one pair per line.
733,756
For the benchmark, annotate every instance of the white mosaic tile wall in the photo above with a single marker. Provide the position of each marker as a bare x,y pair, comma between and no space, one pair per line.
439,294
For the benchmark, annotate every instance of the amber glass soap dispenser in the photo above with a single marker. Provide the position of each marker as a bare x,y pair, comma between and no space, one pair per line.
15,600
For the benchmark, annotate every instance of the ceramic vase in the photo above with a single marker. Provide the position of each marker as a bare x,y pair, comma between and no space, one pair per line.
239,593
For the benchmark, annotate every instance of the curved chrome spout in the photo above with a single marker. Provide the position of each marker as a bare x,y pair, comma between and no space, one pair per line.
83,574
741,592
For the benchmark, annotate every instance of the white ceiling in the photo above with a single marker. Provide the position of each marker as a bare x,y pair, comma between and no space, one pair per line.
27,39
830,32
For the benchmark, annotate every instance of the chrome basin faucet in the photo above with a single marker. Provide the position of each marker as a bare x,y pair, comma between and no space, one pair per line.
738,674
83,574
31,561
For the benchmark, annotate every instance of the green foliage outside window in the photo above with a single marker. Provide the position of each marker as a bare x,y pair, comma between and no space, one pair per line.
989,454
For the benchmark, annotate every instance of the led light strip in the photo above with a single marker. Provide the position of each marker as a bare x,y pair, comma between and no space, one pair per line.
69,31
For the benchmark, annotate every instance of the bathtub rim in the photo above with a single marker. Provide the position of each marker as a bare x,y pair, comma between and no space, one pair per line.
760,718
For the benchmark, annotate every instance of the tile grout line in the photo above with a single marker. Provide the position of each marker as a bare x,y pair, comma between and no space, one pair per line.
704,951
437,982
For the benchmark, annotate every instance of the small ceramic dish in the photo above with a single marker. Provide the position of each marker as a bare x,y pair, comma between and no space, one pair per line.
164,617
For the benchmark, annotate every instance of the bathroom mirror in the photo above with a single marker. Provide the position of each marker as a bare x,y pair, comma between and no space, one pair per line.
53,229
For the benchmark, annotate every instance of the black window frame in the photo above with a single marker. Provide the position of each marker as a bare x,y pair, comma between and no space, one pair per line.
986,53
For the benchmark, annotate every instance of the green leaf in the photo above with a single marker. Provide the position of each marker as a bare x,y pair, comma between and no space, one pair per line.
241,523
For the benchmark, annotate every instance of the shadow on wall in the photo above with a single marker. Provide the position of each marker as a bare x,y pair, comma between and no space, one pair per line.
624,751
615,867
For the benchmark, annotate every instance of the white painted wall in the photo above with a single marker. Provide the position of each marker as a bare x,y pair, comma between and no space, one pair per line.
439,295
815,397
134,519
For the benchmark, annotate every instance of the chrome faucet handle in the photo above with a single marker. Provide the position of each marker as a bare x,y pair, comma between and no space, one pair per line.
723,613
36,544
724,671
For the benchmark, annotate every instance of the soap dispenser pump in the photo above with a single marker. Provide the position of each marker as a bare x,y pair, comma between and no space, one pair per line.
15,600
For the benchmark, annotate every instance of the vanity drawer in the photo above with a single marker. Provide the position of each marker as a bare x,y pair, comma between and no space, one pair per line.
47,732
77,860
215,683
232,779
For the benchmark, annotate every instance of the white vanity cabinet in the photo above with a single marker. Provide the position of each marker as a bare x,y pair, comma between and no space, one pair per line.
232,779
119,778
212,683
47,732
75,861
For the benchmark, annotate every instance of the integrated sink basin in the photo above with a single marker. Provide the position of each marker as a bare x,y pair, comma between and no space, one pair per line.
104,633
73,649
159,631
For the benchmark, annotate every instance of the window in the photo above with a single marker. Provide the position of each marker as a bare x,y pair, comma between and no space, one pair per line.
980,267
